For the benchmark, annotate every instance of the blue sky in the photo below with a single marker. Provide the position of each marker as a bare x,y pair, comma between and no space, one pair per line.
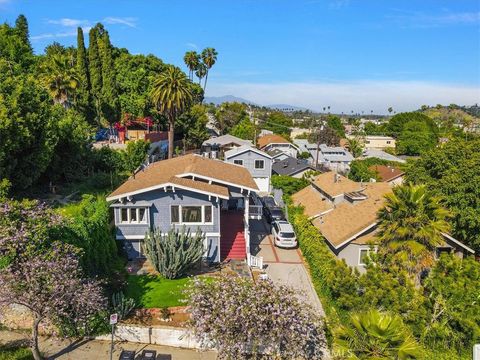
349,54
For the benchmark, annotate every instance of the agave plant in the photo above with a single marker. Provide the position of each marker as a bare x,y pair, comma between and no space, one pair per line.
376,335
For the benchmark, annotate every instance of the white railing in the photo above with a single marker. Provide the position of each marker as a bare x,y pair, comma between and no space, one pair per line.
255,211
255,261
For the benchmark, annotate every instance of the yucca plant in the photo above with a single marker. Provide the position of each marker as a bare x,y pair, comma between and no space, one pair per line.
174,253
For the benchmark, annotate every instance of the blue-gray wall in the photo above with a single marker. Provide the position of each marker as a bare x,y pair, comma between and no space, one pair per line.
160,217
249,158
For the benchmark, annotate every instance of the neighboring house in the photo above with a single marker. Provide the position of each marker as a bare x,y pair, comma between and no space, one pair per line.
217,146
296,131
380,154
331,157
377,142
388,174
345,212
291,167
264,132
257,162
272,141
277,154
192,191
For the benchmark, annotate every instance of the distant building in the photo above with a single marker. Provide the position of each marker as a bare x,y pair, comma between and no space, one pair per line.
291,167
389,174
257,162
378,142
380,154
215,147
331,157
272,141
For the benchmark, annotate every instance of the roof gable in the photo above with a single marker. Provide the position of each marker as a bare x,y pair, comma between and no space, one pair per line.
175,171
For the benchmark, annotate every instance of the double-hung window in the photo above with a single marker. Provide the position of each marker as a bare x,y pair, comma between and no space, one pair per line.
259,164
133,215
191,214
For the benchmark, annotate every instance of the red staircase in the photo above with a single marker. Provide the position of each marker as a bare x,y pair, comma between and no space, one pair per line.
232,239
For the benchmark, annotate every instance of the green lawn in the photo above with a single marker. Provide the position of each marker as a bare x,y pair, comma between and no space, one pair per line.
154,291
15,353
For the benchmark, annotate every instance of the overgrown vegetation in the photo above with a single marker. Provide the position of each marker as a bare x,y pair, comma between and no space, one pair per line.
360,169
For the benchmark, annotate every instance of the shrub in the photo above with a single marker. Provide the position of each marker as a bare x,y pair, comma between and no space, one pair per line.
174,253
244,319
288,184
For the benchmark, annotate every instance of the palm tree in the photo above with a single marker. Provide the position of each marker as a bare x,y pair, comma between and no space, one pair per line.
355,146
201,71
390,109
411,225
172,95
60,79
191,59
209,57
376,335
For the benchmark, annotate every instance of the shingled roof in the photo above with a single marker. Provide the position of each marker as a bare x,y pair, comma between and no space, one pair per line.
185,172
271,139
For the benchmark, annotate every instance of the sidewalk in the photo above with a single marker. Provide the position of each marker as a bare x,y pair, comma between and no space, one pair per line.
94,349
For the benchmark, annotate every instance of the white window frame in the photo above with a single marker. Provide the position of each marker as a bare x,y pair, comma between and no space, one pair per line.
240,161
255,164
369,250
181,222
128,221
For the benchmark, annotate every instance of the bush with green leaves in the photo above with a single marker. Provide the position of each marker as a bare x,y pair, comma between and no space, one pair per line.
174,253
289,185
135,154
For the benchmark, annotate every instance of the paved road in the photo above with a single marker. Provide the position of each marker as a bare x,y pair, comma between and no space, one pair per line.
100,350
284,266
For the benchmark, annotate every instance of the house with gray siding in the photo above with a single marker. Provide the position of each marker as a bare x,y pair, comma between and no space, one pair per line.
191,192
257,162
345,212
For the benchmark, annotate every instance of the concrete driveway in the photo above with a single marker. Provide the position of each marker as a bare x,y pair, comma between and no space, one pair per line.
283,266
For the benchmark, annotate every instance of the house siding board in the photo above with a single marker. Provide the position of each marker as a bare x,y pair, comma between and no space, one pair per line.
160,218
351,254
249,158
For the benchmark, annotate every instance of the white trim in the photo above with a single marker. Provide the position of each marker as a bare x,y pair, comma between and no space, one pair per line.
164,185
255,150
353,237
180,206
234,163
360,255
255,164
130,237
217,181
212,234
119,219
458,243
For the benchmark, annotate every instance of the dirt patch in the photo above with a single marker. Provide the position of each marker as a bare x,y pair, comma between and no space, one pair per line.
174,316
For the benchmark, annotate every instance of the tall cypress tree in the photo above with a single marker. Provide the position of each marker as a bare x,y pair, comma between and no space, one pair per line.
95,71
111,103
83,92
21,28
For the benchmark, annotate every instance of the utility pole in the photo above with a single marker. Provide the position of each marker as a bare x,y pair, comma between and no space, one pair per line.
318,143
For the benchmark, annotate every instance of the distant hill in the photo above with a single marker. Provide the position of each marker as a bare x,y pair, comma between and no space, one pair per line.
218,100
286,107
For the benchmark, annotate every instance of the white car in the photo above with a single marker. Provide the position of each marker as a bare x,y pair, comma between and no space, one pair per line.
283,234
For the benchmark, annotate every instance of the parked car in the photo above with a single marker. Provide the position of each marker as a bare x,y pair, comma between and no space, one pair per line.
283,234
148,355
127,355
271,210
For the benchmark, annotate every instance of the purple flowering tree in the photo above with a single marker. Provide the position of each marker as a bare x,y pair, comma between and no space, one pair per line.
43,275
243,319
